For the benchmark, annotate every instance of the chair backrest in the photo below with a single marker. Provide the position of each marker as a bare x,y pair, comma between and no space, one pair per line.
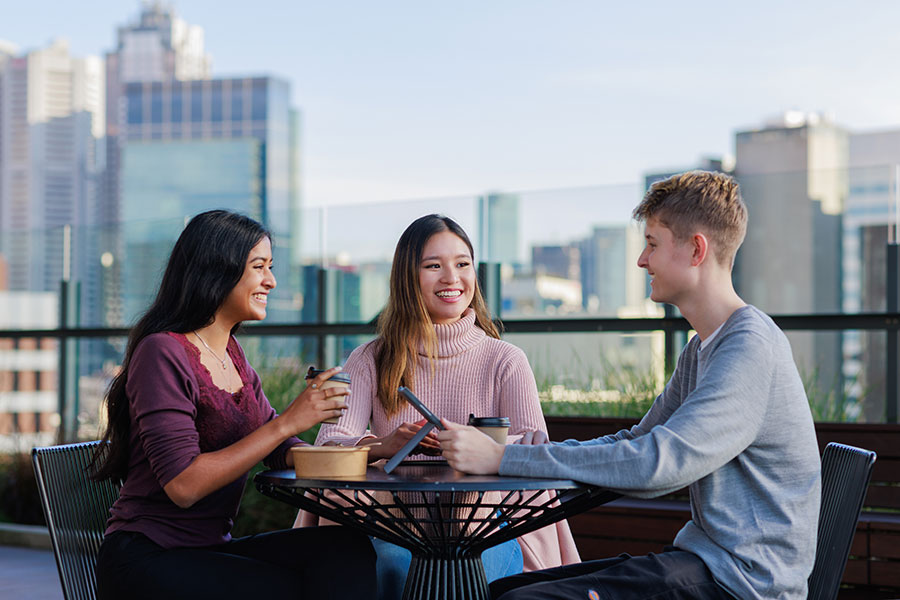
845,476
76,509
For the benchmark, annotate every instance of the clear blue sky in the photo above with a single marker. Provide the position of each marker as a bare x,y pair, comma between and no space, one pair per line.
420,98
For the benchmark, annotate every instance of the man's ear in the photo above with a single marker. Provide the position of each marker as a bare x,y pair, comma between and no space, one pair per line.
700,247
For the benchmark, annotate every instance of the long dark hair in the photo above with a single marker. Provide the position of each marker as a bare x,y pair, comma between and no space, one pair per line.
206,263
404,322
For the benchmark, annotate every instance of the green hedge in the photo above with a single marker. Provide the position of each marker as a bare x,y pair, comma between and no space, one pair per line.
19,499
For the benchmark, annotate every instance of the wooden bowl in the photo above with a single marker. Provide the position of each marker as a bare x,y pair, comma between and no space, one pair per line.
311,462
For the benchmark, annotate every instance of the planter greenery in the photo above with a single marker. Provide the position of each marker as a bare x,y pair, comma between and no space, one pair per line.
831,403
19,500
615,390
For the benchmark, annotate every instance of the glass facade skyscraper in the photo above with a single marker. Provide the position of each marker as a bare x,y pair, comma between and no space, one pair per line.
191,146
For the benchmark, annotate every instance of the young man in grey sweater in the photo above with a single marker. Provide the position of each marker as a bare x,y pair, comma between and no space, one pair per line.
732,423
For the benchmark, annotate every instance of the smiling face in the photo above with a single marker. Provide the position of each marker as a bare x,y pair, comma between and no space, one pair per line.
668,262
446,277
247,300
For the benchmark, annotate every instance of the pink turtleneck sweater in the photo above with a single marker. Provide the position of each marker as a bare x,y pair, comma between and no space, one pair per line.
474,374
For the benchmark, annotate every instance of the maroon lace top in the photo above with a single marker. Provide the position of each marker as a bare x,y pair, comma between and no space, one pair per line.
177,413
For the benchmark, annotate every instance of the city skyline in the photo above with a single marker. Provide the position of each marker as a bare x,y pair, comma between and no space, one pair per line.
416,101
537,137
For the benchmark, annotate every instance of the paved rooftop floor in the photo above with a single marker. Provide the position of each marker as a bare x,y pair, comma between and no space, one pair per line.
28,573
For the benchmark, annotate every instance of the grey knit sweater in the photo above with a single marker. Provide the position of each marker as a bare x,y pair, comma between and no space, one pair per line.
733,423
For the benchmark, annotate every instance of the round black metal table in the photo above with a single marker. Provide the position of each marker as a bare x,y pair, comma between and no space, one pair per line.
445,518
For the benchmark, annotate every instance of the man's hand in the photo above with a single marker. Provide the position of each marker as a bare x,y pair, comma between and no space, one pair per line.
468,450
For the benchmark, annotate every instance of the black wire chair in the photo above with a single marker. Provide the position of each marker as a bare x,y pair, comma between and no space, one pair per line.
845,476
76,509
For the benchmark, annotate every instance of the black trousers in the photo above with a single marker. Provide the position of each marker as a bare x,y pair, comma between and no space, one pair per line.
672,575
312,562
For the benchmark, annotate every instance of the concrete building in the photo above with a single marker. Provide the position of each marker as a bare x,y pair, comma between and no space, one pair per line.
158,46
869,220
29,412
51,122
793,177
610,277
557,261
7,52
538,295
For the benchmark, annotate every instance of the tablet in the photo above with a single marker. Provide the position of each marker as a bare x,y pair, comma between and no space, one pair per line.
417,404
432,422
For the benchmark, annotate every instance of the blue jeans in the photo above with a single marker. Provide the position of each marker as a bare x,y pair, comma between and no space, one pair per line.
392,565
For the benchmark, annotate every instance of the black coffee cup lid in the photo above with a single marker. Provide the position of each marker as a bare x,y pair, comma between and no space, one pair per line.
488,421
340,377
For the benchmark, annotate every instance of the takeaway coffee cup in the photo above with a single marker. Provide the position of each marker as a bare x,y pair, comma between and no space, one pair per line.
494,427
340,379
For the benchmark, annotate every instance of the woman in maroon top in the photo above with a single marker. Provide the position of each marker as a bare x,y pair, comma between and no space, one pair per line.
187,421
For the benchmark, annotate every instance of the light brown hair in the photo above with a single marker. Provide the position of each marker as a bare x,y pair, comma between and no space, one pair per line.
404,323
699,201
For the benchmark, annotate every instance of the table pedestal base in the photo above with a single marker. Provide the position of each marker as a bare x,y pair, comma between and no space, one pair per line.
434,578
445,518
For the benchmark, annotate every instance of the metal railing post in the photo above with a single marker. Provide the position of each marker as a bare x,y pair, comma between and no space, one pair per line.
892,394
63,367
489,281
322,316
670,351
67,378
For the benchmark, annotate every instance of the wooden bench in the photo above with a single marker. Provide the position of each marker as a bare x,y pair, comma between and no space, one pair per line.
639,526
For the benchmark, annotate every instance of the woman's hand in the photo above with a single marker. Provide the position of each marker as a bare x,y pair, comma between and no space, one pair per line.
314,404
390,444
210,471
533,438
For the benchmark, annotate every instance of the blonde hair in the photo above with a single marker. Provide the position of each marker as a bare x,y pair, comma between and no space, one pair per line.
404,323
699,201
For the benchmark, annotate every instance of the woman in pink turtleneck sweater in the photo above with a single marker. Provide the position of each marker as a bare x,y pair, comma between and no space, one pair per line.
436,337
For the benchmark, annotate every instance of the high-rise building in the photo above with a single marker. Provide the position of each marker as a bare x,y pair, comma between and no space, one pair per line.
599,276
869,220
538,294
610,277
344,294
498,227
873,161
793,177
7,52
51,120
160,47
157,47
557,261
552,286
181,142
191,146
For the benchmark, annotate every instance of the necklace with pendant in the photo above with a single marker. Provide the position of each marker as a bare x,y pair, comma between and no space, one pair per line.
221,360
